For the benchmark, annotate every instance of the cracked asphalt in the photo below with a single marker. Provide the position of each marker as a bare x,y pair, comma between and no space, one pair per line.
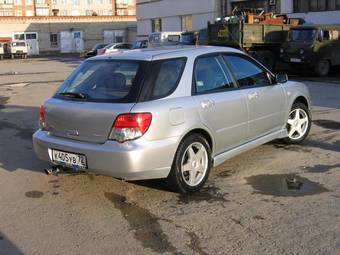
246,207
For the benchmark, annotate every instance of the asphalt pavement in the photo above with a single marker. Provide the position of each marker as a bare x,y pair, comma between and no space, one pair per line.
245,208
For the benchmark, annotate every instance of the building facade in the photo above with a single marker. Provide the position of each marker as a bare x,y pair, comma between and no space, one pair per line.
313,11
175,15
187,15
51,35
25,7
67,7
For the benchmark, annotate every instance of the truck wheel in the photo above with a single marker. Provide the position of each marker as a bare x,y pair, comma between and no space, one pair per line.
322,67
1,57
12,56
191,165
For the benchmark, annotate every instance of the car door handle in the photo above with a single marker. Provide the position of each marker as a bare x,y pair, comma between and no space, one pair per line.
206,104
253,95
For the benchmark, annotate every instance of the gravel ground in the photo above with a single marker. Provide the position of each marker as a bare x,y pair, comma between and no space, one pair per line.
245,208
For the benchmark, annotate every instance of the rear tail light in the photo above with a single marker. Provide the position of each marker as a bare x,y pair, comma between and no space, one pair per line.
42,117
130,126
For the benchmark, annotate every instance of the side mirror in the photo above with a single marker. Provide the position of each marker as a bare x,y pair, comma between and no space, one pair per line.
281,78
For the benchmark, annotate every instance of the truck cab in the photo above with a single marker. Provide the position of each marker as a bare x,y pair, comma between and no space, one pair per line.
17,48
2,52
316,46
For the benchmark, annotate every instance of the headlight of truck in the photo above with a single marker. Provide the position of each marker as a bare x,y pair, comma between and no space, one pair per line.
282,50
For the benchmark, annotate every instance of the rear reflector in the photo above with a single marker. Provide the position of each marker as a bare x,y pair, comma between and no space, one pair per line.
130,126
42,117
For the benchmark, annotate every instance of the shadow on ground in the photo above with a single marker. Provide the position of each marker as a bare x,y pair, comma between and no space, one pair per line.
17,125
7,247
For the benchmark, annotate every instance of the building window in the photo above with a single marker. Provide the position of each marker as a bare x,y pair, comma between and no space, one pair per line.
75,2
29,13
54,2
75,12
18,12
40,1
54,40
156,25
17,2
41,12
315,5
29,2
19,37
89,2
186,22
63,13
88,12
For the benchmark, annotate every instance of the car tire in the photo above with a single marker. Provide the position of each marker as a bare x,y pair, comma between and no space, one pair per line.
298,124
322,67
191,165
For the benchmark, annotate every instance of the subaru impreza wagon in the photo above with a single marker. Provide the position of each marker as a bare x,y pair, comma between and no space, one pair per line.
170,113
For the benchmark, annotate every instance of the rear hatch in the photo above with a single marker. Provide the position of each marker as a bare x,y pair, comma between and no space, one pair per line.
82,121
87,103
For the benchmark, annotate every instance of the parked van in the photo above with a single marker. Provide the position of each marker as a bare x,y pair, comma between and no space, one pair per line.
2,52
317,46
17,48
157,39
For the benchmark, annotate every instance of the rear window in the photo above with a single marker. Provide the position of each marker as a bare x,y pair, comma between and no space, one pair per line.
162,78
103,81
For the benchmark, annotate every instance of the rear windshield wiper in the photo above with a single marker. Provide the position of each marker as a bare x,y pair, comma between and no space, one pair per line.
73,95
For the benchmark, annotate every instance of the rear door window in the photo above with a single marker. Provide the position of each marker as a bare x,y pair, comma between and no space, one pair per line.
247,72
211,75
103,81
163,78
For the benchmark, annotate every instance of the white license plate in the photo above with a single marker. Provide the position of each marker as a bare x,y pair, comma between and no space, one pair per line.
295,60
70,159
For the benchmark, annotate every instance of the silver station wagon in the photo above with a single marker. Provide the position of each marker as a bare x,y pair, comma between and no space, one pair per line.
169,113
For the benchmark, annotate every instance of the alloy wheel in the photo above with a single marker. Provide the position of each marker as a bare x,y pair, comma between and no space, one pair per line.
194,164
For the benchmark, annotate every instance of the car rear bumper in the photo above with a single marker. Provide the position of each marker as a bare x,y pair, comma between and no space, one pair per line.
133,160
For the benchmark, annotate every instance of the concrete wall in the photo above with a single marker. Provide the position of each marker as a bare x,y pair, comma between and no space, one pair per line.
93,29
170,11
328,17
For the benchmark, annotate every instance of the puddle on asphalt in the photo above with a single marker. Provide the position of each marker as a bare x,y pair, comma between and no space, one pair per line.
290,147
145,225
34,194
284,185
321,168
225,174
209,194
23,133
329,124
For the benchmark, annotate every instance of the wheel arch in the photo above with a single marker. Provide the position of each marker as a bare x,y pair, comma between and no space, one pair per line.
303,100
206,134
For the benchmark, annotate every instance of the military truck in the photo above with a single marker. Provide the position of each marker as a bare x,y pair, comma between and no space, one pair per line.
253,31
315,46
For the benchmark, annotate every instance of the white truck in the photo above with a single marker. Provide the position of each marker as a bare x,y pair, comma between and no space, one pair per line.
17,48
2,51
